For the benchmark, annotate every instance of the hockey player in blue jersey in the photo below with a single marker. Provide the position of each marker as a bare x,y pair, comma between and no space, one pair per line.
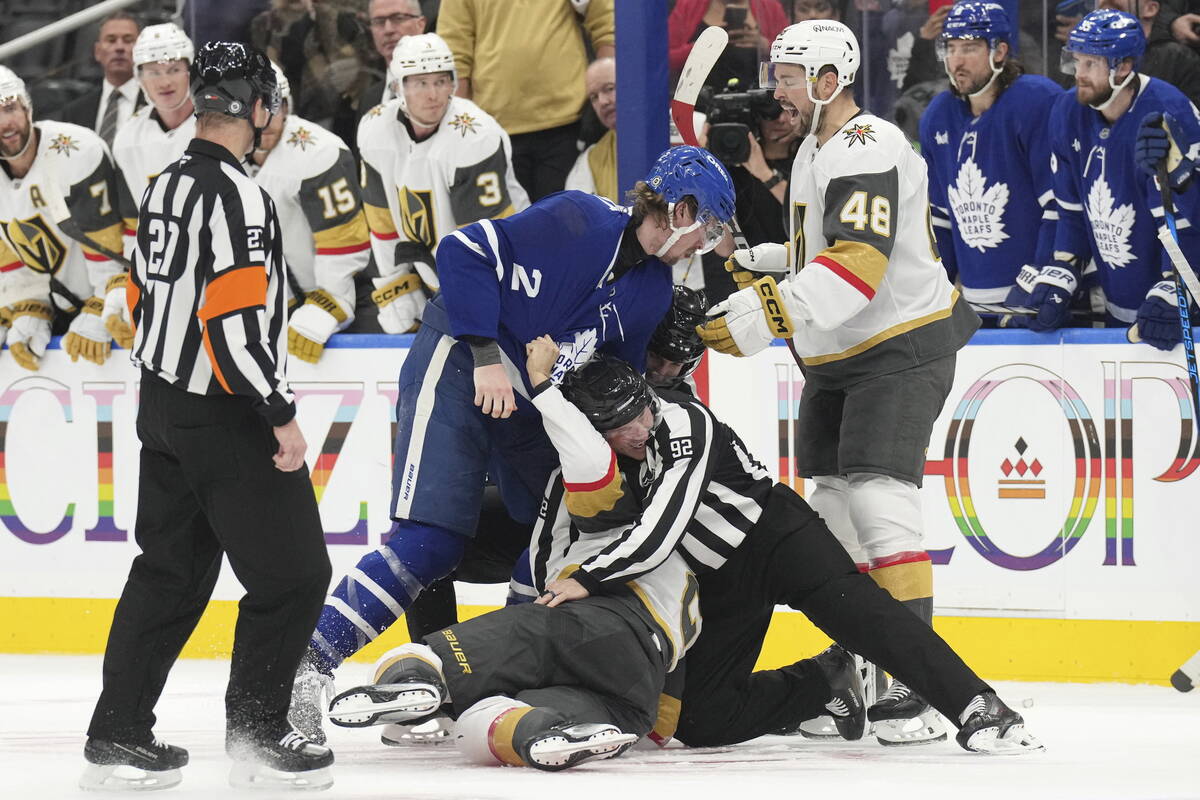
594,275
1106,203
985,141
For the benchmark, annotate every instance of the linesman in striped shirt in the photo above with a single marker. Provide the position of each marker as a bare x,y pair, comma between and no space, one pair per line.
222,459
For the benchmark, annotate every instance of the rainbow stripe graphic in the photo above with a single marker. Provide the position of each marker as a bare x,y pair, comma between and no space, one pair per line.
789,382
105,529
956,466
350,397
8,513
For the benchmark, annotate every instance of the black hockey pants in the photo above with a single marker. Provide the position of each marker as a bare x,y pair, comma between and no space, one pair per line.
791,558
207,486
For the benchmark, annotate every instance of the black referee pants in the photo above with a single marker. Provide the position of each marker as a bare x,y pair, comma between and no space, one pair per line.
208,487
791,558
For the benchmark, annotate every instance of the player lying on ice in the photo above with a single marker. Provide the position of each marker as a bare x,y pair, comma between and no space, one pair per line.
637,508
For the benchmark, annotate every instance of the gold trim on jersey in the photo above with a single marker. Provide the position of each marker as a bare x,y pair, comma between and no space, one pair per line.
863,260
110,237
416,216
507,211
883,336
676,651
36,244
589,499
379,220
912,581
351,233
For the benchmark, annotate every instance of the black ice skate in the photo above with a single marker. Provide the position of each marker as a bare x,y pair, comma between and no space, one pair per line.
292,762
989,726
845,684
384,703
564,746
120,766
901,717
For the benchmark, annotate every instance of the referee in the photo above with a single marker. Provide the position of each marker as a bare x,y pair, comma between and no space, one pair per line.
222,458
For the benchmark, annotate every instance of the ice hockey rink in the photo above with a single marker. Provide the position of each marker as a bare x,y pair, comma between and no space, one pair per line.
1102,741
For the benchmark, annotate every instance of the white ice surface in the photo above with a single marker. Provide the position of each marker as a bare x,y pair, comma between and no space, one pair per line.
1103,741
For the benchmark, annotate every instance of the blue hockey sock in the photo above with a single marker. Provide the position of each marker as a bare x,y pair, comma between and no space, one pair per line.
381,587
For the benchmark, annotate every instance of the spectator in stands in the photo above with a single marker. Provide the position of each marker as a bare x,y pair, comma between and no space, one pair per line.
595,170
107,107
390,20
1180,19
328,58
526,70
1165,58
802,10
220,20
752,26
269,28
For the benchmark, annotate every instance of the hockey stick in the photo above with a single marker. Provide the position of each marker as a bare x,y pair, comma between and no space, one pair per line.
999,309
1186,677
61,215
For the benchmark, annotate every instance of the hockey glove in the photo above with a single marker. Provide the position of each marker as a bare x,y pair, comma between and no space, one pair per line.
747,266
401,301
1161,138
1018,295
116,311
1051,296
1158,317
311,325
87,336
30,332
751,319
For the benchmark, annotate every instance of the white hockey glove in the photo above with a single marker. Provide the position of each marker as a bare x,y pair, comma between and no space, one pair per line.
747,266
87,336
311,325
30,332
116,311
751,319
401,301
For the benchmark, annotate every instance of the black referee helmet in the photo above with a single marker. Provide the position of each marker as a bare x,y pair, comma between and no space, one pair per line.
227,77
675,339
609,392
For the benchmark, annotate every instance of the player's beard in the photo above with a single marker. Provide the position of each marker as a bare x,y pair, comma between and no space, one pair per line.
976,85
22,141
1092,96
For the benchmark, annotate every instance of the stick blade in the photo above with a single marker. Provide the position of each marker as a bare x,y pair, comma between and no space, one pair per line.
705,52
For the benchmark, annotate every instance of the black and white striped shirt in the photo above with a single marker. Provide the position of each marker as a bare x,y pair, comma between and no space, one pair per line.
208,288
701,492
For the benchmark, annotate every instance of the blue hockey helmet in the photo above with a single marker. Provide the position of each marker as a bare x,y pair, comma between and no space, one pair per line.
975,19
693,171
1112,34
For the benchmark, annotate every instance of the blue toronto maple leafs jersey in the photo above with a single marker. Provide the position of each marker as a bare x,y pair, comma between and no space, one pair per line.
1107,204
990,185
548,270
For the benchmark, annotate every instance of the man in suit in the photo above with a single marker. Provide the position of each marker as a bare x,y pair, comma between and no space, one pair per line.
107,107
390,21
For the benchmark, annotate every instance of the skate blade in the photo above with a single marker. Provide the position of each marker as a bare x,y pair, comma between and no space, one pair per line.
819,729
381,704
124,778
909,732
1013,742
250,775
432,731
559,752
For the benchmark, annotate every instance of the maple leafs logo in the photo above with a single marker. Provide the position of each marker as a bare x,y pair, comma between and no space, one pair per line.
978,208
1111,227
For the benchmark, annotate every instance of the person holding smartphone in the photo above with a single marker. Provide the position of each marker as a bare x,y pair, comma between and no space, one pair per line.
752,25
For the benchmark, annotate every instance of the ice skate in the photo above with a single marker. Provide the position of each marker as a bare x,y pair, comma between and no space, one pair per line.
565,746
125,766
384,703
989,726
433,730
292,762
820,728
311,694
901,717
845,684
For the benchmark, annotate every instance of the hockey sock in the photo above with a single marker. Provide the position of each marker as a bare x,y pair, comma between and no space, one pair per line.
491,731
908,577
520,585
381,587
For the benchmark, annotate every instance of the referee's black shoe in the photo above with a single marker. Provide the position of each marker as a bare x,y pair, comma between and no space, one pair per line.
846,691
291,762
155,765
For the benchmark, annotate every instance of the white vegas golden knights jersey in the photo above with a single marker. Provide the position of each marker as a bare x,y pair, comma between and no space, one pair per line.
417,192
587,504
71,167
871,295
141,150
311,176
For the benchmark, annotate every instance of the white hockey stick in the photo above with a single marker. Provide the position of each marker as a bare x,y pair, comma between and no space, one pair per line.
705,52
1187,676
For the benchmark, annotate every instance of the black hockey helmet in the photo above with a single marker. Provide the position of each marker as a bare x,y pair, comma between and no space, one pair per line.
227,77
609,392
675,338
